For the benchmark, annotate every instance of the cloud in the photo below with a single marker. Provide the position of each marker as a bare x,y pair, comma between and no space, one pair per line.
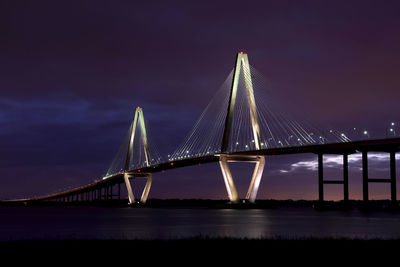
378,160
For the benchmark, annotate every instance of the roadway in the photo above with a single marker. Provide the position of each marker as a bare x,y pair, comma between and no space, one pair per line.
379,145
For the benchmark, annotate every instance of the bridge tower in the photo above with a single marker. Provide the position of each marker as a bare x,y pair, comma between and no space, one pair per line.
242,64
138,121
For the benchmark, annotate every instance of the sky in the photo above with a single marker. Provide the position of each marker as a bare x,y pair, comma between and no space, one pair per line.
72,73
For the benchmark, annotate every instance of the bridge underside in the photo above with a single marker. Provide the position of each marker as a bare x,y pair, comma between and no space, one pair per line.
103,189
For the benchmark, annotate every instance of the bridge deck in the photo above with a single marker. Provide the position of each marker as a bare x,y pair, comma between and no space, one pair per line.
380,145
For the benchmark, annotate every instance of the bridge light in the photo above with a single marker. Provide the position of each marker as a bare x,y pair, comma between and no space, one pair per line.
237,143
391,129
365,132
392,124
172,164
187,151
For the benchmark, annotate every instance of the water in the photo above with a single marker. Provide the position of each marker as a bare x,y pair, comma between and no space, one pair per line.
59,223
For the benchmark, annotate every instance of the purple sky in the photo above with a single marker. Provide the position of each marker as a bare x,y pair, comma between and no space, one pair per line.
72,72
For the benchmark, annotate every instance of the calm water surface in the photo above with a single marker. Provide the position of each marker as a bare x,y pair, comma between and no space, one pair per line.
21,223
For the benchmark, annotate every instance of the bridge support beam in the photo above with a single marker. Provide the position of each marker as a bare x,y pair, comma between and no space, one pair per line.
393,177
229,184
365,175
320,178
131,197
322,182
255,180
346,178
146,190
391,180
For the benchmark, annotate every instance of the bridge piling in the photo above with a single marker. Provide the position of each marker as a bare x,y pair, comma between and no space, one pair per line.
391,180
320,178
229,183
131,197
322,181
365,175
346,178
393,177
146,189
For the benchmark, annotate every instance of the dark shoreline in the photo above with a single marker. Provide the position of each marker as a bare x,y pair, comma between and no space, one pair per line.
372,205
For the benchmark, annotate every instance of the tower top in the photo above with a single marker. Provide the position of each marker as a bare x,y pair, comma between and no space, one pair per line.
242,65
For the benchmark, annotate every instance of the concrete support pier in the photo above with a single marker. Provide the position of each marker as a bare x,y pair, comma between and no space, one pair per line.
322,182
391,180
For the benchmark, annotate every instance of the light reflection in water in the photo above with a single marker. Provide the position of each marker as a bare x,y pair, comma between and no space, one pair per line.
147,223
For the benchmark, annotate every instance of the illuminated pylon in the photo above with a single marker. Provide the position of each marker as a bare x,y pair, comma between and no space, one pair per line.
138,119
242,63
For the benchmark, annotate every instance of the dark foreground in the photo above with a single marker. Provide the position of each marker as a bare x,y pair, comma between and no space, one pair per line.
202,251
194,232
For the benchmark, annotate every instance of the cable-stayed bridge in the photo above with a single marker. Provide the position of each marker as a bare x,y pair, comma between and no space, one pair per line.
242,123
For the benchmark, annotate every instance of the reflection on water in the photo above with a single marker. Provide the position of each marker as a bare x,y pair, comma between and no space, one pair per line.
128,223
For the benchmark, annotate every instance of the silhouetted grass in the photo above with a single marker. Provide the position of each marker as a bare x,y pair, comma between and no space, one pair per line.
203,250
